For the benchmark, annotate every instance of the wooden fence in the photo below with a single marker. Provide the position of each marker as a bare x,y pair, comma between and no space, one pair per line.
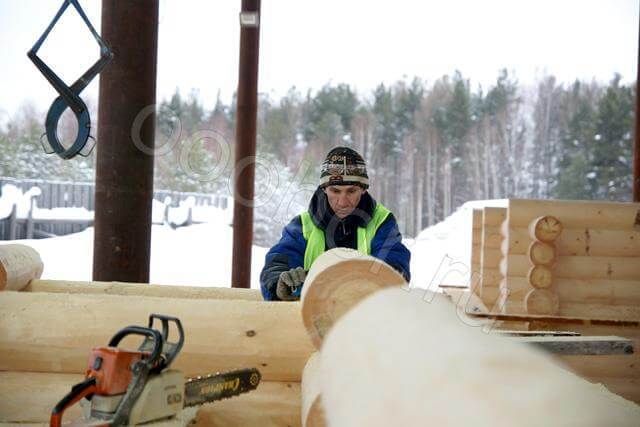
60,194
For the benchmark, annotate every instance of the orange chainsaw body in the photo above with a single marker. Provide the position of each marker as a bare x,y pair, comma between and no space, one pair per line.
111,367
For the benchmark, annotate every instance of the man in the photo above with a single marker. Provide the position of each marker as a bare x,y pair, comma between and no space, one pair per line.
341,214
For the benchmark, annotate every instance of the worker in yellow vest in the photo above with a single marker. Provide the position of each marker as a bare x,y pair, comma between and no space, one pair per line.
341,213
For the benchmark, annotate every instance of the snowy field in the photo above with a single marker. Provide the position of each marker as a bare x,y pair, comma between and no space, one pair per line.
200,254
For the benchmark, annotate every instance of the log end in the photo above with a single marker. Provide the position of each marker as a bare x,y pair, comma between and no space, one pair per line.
542,302
337,281
545,229
19,264
541,253
540,277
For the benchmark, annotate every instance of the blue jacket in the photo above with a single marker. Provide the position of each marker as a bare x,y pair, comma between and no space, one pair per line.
288,253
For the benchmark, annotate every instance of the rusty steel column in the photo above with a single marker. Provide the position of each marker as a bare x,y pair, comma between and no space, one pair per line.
244,170
636,140
124,173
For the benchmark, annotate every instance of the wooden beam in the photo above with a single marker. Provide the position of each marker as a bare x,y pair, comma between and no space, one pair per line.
55,332
557,319
580,346
142,289
29,398
535,333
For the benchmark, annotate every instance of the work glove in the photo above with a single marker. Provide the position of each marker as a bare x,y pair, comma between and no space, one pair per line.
288,282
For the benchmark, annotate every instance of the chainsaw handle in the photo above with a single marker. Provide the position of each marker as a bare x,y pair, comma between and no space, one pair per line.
146,332
169,349
77,392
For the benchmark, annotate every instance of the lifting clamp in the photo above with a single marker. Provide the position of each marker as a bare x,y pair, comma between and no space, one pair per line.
69,96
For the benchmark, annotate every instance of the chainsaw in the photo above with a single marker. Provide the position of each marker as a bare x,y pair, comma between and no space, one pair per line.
124,387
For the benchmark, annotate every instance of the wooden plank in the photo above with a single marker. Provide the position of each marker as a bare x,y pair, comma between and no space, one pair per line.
45,197
558,319
465,299
535,333
572,345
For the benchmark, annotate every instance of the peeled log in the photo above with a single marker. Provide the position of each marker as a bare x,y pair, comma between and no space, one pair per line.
490,258
541,253
18,265
312,410
490,277
338,280
492,218
575,214
28,397
542,301
55,332
142,289
539,277
578,267
582,242
545,229
392,373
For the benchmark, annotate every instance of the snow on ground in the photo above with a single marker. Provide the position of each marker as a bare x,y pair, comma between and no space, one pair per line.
441,254
200,254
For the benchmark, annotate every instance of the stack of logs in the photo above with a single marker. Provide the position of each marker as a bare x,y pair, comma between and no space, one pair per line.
564,266
569,258
47,329
361,348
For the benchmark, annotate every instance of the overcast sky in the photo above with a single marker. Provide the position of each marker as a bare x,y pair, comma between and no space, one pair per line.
311,43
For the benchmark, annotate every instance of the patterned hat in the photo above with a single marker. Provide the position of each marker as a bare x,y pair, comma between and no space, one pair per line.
344,166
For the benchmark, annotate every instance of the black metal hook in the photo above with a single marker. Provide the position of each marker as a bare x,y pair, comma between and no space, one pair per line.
69,95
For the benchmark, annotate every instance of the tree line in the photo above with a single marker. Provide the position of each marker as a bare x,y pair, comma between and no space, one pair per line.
429,146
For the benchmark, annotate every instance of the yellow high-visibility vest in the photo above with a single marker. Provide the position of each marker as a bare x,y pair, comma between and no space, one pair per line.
314,235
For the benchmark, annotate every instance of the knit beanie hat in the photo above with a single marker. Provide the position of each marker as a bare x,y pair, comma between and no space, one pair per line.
344,166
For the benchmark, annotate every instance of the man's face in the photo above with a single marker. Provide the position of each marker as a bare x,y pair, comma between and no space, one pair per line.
343,199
